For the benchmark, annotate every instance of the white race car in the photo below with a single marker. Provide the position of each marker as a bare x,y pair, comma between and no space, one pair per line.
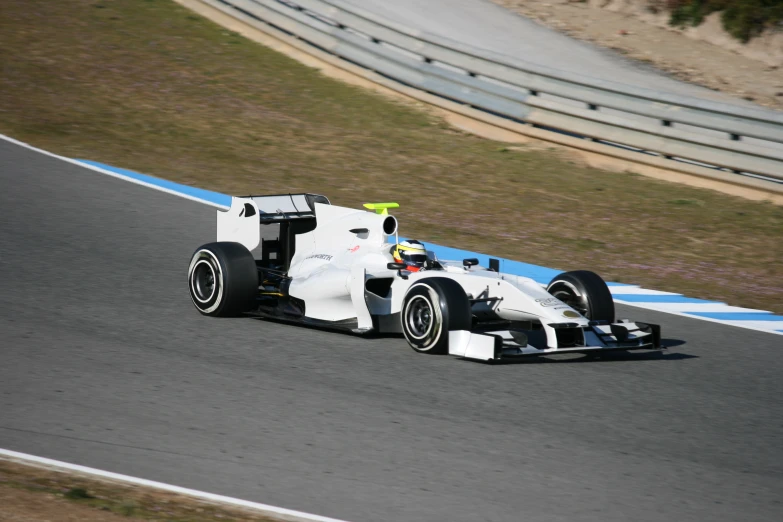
332,266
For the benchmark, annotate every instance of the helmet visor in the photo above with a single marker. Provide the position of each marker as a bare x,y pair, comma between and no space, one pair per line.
414,259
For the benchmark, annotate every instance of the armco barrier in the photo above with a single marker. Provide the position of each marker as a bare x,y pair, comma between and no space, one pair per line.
738,144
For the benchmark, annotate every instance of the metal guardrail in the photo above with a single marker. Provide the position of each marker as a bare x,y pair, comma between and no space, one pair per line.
742,140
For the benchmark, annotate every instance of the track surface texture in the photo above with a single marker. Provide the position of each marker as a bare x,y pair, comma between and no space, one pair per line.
106,363
485,25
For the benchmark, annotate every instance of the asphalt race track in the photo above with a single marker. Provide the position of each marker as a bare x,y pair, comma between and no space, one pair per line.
106,363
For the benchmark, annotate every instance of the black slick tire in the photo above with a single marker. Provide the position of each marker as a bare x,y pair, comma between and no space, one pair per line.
585,292
433,307
223,279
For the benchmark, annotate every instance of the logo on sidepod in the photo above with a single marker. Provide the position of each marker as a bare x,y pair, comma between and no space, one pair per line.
354,249
571,314
325,257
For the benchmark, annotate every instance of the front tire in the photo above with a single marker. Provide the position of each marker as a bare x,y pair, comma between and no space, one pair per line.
432,307
223,279
585,292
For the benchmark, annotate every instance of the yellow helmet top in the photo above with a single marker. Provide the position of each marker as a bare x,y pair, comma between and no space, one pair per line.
410,252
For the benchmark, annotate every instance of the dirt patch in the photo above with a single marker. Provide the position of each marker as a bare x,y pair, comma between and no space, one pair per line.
153,87
35,494
704,55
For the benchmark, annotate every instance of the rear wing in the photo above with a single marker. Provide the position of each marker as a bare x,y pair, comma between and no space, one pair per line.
277,208
240,223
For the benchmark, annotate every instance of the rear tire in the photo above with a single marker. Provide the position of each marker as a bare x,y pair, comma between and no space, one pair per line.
431,309
585,292
223,279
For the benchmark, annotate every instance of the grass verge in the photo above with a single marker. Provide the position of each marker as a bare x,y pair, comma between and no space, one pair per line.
35,494
148,85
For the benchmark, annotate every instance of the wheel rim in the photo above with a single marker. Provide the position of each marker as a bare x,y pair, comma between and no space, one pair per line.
206,299
204,281
570,297
419,317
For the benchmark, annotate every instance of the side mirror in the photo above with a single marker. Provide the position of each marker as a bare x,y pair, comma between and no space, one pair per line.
401,269
470,262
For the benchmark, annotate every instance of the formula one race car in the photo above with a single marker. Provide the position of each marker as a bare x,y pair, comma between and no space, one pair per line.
335,267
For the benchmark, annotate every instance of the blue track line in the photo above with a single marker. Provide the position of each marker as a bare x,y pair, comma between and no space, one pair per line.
739,316
540,274
215,198
643,298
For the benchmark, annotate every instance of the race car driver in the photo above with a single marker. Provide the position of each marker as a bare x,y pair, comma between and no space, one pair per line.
410,252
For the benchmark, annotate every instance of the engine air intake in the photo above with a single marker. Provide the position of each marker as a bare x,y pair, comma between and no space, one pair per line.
390,225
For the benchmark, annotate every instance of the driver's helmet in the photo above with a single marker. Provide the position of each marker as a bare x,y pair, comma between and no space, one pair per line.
410,252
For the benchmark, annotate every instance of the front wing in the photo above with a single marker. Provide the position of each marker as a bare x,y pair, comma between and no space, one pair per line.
506,344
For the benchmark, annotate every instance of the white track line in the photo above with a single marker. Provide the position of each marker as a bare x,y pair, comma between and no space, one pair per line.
637,290
765,326
696,307
108,172
281,513
757,326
